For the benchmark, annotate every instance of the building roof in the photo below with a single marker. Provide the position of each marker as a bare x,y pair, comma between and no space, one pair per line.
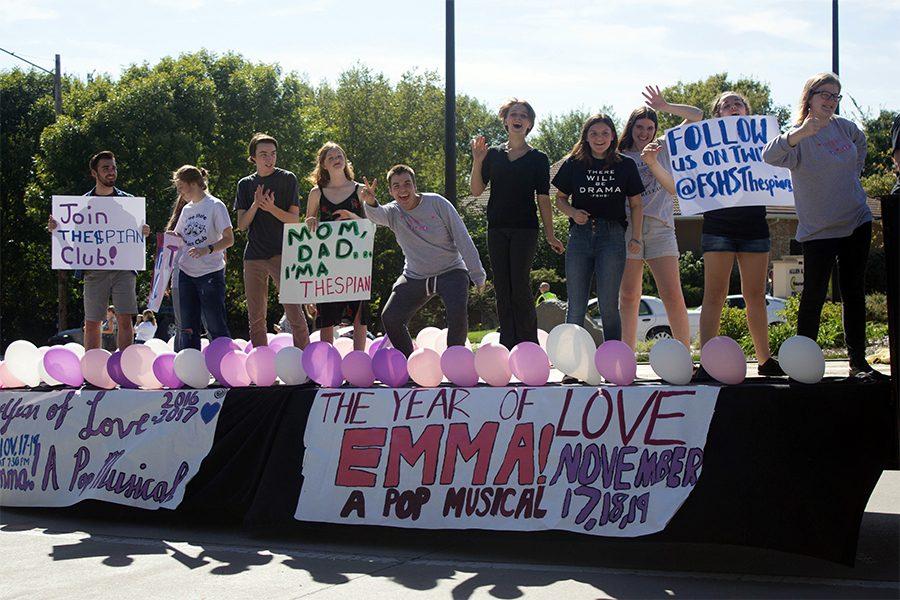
785,212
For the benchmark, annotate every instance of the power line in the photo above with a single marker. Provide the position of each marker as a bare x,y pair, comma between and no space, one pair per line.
36,66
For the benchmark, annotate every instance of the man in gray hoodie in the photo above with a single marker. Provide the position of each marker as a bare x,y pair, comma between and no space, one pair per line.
440,257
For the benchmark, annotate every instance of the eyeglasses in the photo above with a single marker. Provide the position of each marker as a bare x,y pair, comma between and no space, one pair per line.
828,96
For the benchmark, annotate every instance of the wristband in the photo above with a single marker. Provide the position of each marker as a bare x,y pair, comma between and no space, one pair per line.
210,247
637,240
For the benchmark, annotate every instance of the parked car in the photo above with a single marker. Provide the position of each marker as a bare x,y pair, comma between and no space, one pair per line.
653,323
774,307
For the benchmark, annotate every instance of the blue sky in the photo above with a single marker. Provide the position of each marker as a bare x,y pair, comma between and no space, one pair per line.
558,54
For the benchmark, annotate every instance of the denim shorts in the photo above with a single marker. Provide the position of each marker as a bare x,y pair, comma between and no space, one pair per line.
723,243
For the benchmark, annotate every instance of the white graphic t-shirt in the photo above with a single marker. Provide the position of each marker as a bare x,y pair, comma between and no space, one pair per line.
201,224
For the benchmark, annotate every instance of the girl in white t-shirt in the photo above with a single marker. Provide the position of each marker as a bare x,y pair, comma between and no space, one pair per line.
146,329
205,226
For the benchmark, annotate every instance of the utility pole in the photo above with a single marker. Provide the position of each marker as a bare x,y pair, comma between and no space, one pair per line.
835,68
450,109
62,283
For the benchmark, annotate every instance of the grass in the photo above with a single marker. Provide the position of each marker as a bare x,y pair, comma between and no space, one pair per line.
476,336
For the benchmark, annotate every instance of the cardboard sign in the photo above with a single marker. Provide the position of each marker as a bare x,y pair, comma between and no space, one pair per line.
331,264
99,233
718,164
168,246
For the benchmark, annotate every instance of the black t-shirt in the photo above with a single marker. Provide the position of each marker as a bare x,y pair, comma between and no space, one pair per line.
513,187
895,145
601,188
266,230
742,222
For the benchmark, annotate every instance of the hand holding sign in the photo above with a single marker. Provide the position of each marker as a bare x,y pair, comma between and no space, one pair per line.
367,192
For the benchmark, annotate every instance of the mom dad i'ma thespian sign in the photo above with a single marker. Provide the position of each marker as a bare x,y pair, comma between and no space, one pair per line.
605,461
331,264
98,233
718,164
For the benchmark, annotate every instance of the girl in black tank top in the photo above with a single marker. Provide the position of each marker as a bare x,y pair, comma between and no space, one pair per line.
334,171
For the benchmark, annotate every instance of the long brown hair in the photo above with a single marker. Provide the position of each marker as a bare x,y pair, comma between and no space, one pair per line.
643,112
811,86
320,176
581,151
187,174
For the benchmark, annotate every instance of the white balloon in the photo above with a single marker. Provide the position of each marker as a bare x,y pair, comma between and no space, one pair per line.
171,344
242,343
440,342
427,337
672,362
77,348
802,359
157,345
344,346
571,350
315,336
491,338
190,366
22,359
289,367
203,343
42,371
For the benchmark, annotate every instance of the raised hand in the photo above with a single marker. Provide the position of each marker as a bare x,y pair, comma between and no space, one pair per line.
51,224
479,148
367,192
813,125
654,99
651,151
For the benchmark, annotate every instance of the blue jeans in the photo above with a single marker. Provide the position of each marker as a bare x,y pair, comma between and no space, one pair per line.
202,299
596,250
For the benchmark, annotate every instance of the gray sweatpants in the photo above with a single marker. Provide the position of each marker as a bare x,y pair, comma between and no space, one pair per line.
409,295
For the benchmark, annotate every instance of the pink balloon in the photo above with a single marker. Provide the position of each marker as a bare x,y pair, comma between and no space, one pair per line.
322,362
261,366
389,366
724,360
615,361
63,365
164,370
492,364
114,368
458,365
424,366
344,346
356,368
137,365
234,369
530,364
93,367
216,350
9,380
281,340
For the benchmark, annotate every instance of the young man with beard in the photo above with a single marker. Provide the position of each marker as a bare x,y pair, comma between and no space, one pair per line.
266,200
440,257
99,285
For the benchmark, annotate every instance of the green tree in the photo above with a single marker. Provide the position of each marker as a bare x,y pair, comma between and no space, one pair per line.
702,94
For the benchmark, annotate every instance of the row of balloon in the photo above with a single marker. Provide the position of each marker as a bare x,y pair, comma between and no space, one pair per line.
235,363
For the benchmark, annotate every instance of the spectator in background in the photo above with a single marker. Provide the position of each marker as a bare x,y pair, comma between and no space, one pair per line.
109,329
544,294
146,327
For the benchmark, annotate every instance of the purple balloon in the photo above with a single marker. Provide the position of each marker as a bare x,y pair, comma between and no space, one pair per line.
217,349
114,368
164,370
389,365
64,366
322,362
530,364
458,365
357,369
378,344
282,340
615,361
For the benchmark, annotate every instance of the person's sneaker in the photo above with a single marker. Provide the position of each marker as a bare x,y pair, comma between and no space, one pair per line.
701,376
770,368
867,374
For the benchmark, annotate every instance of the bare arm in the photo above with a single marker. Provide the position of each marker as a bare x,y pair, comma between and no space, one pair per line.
654,99
576,214
545,207
650,156
479,152
637,223
312,208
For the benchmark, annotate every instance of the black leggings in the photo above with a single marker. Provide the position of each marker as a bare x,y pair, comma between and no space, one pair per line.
512,256
851,252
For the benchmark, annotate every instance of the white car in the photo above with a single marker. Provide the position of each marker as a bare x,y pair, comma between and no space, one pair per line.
774,307
653,323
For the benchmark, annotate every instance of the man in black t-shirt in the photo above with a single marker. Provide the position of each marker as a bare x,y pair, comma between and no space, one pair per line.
266,201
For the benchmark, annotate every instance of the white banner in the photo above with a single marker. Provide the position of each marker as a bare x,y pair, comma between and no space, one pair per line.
134,447
718,164
168,245
99,233
612,461
332,264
